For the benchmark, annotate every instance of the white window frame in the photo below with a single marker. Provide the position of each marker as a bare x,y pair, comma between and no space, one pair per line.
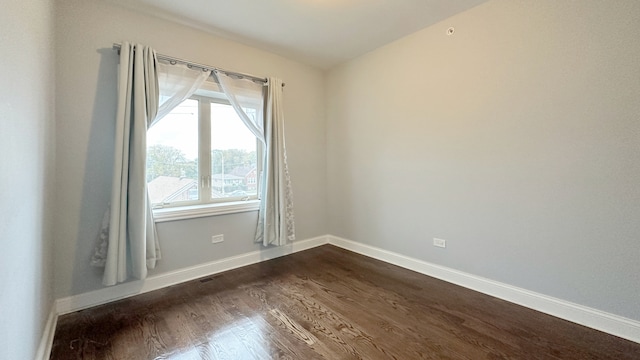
206,205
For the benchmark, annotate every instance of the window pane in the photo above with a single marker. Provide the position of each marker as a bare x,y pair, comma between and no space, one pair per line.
233,155
172,156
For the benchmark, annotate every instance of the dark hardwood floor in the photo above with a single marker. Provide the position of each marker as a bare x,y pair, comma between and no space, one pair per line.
325,303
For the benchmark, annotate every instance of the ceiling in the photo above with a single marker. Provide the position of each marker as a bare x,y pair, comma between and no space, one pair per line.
318,32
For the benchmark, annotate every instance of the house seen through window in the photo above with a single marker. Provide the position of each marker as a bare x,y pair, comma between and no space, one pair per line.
201,153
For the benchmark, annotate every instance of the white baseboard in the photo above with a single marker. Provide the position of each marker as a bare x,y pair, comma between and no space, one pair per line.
44,349
613,324
583,315
108,294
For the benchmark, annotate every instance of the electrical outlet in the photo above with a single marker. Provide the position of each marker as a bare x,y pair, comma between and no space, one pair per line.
439,242
216,239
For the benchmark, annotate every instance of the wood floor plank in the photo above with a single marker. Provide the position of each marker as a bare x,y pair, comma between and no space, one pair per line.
395,317
325,303
391,323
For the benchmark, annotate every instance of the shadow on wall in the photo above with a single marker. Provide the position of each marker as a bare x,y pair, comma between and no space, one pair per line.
96,185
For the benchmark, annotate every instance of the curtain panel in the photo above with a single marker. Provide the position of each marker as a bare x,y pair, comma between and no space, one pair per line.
131,229
147,91
275,216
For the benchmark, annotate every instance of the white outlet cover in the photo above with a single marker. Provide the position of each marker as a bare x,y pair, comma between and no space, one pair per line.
439,242
215,239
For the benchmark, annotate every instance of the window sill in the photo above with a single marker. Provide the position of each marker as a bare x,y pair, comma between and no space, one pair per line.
197,211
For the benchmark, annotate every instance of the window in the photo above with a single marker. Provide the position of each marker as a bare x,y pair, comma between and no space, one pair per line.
201,154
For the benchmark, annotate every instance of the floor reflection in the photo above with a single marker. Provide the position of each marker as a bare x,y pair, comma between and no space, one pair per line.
243,339
190,354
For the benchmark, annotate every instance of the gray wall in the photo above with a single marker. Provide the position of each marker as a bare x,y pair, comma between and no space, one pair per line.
517,139
85,109
26,145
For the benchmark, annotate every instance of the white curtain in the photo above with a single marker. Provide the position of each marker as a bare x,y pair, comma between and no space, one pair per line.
147,91
275,217
177,83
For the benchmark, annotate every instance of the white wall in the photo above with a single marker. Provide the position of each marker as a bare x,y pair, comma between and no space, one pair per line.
26,145
85,98
517,139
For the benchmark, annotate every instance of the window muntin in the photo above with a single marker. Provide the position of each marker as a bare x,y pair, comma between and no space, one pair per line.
192,156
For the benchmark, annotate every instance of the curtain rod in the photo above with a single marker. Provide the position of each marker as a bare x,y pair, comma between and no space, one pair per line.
174,60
